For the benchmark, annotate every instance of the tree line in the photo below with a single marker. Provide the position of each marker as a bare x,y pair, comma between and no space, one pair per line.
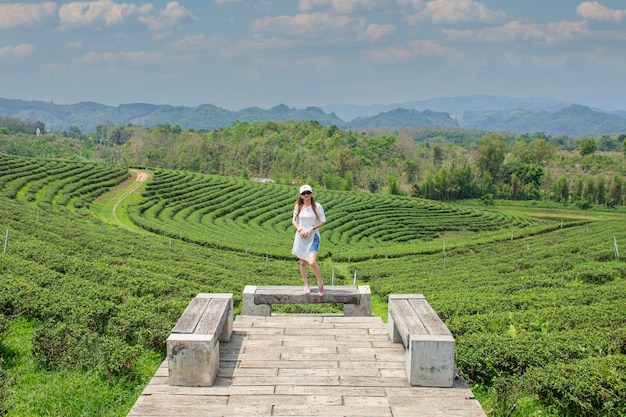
441,164
14,125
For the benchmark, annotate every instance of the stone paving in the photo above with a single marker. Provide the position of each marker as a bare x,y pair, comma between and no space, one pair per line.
314,365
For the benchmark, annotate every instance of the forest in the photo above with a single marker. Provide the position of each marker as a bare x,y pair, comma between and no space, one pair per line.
436,163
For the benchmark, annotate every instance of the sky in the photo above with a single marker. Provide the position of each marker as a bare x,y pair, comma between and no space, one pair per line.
243,53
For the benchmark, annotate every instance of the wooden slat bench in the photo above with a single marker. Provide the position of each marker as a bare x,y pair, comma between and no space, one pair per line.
193,353
428,342
258,300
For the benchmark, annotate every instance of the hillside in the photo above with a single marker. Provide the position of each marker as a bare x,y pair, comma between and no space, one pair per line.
207,210
451,105
487,113
404,117
88,116
573,120
535,306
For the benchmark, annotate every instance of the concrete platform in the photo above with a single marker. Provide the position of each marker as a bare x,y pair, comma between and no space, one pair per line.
294,365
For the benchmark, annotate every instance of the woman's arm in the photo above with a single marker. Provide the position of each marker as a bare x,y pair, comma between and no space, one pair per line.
318,225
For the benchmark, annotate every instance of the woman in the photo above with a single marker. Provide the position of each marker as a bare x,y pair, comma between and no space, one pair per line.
308,217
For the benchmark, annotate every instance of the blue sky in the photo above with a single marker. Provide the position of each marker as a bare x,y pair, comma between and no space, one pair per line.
242,53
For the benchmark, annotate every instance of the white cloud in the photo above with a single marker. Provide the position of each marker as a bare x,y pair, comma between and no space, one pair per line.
135,58
375,32
457,11
389,54
516,31
189,45
345,6
260,43
334,27
82,14
414,49
192,43
172,15
312,25
427,47
592,10
108,13
563,30
308,5
225,47
17,51
415,4
24,14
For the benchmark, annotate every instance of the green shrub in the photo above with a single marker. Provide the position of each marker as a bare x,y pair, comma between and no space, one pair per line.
59,345
4,325
138,323
486,357
583,204
119,358
599,272
587,388
70,346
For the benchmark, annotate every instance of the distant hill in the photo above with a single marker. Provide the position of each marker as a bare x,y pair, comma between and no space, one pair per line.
404,117
88,116
488,113
574,120
452,105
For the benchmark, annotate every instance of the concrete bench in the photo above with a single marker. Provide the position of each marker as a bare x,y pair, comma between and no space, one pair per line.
428,342
258,300
193,353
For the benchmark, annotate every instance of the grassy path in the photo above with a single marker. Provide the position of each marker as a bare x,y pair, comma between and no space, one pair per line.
111,206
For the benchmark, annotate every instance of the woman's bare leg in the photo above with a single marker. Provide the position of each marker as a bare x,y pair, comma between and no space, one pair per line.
315,268
303,272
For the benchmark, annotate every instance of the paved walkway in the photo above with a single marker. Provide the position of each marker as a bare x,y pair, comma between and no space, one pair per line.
293,365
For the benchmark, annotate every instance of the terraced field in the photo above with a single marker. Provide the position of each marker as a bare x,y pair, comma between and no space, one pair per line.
239,215
536,308
58,183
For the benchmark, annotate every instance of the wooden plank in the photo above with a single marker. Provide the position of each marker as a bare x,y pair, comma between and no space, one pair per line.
428,316
314,332
226,391
188,321
213,317
178,407
265,380
330,390
305,364
285,399
329,411
369,371
405,319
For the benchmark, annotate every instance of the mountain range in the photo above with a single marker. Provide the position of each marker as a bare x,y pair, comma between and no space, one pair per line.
480,112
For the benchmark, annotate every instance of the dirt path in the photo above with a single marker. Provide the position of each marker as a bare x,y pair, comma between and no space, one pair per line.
141,177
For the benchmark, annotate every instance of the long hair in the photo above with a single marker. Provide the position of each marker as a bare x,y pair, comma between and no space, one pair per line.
300,203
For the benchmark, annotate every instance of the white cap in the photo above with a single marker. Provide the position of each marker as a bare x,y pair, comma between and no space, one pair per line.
305,188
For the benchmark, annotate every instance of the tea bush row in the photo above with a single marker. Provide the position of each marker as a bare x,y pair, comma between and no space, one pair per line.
547,303
100,296
56,182
517,307
207,210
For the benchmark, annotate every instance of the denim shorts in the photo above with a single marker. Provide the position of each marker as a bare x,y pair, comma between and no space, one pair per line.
315,246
